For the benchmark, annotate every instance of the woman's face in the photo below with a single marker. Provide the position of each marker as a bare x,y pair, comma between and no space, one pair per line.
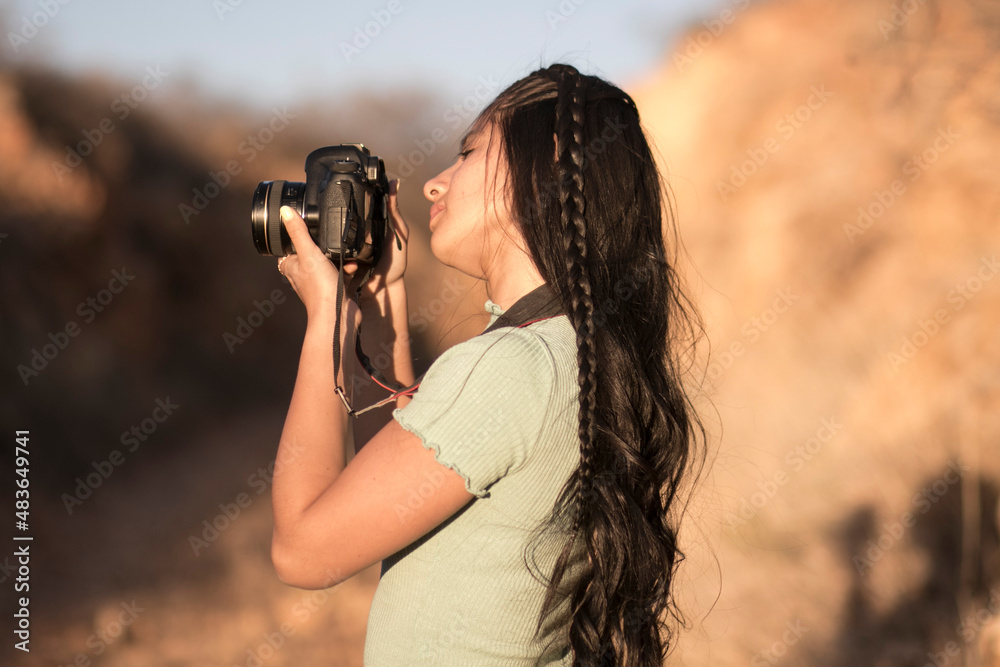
470,220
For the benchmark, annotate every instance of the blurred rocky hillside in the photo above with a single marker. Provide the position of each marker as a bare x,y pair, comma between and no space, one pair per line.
838,193
128,252
136,317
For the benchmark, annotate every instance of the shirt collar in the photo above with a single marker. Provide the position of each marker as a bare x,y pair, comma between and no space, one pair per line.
494,310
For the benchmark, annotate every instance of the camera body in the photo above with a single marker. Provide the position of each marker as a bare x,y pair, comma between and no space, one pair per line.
344,202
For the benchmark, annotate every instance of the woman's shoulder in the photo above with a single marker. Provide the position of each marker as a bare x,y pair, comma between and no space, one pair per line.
484,402
539,351
496,352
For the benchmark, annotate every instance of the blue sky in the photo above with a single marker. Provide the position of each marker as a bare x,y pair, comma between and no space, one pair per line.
266,52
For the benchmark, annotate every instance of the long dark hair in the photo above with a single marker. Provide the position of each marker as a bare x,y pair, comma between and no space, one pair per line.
584,188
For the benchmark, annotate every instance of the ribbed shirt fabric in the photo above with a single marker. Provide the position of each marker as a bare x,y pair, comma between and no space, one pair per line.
500,409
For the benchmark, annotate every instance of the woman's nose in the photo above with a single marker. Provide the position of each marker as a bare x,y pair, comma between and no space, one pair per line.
436,186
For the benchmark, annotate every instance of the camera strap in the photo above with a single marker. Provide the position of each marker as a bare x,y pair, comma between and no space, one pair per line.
336,326
539,304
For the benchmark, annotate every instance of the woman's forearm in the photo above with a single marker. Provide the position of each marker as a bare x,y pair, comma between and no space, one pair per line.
311,452
385,339
312,449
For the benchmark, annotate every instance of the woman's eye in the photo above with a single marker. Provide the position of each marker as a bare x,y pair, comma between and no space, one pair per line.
464,154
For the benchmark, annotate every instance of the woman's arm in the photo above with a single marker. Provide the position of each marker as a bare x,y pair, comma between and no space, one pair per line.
385,339
311,451
385,335
332,521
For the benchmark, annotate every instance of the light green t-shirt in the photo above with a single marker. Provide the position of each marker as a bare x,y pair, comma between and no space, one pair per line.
501,409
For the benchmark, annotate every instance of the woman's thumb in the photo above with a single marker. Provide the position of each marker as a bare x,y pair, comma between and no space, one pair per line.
296,227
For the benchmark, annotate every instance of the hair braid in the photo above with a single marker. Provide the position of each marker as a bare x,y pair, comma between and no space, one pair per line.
588,634
569,166
603,250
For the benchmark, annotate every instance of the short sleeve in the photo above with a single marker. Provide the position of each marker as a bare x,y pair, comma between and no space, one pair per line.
482,404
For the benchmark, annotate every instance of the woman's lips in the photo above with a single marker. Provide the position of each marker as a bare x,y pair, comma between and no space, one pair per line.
435,209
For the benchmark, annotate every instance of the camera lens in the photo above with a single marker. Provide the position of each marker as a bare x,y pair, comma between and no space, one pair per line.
269,235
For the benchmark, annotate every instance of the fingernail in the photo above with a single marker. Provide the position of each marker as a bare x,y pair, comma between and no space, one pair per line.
286,213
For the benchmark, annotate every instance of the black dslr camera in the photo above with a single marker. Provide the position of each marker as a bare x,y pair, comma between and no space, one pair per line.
344,202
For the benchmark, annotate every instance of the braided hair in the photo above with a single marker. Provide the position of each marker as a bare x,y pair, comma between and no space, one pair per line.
569,167
592,219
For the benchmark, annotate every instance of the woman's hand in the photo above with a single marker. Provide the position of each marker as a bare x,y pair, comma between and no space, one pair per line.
392,263
312,275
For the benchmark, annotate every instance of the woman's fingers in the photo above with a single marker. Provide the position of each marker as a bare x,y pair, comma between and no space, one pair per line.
392,265
303,243
308,258
397,218
309,271
297,230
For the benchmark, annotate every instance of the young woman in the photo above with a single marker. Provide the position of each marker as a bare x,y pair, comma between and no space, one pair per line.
523,503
